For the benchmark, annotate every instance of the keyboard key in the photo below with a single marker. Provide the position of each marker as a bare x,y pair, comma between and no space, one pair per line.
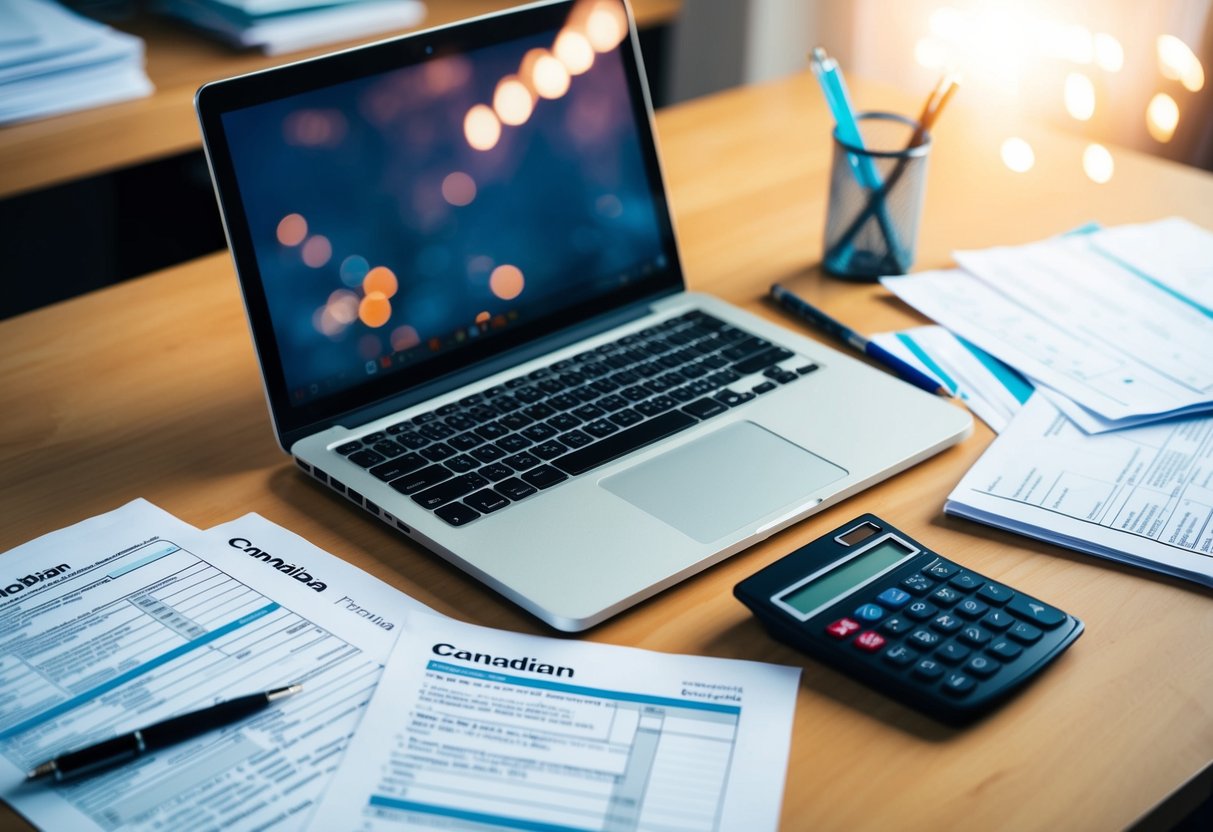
549,450
492,430
917,584
966,581
412,439
941,569
436,430
624,442
896,625
971,608
945,596
869,612
589,412
539,432
998,620
945,623
924,639
759,361
1004,649
869,642
457,514
372,438
398,467
1040,614
601,428
488,453
656,405
626,418
920,610
486,501
449,490
465,441
843,628
635,393
805,369
424,418
900,656
982,666
522,461
515,421
975,636
513,443
893,598
462,464
399,427
515,488
563,422
928,670
366,458
612,403
564,402
731,398
438,452
496,472
765,387
348,447
576,439
995,593
426,477
958,684
1024,633
539,411
545,476
952,653
460,422
704,408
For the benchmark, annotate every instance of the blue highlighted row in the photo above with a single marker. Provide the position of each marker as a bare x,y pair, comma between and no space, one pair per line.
474,817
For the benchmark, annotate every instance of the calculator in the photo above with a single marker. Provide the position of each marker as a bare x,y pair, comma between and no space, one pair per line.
878,605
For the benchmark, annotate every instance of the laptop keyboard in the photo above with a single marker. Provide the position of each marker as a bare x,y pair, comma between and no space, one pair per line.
501,445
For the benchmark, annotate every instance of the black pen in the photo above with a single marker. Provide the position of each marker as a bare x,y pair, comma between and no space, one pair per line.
173,730
840,332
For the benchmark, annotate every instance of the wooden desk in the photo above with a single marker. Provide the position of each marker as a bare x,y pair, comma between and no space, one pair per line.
50,151
150,389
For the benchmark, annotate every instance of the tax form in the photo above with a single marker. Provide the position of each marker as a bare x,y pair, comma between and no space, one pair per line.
134,616
474,728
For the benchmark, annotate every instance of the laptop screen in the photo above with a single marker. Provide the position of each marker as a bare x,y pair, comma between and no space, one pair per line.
456,201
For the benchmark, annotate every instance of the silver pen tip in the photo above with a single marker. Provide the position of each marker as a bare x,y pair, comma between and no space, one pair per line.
282,693
44,770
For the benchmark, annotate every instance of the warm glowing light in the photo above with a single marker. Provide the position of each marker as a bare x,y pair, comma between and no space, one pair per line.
574,51
512,101
1162,117
317,251
481,127
930,53
404,338
1177,62
1080,96
1079,44
550,79
325,323
483,318
1109,54
380,279
1017,155
375,309
458,189
1097,163
606,25
343,306
506,282
947,23
292,229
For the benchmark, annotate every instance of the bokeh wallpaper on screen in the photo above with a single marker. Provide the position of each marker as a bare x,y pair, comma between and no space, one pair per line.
406,214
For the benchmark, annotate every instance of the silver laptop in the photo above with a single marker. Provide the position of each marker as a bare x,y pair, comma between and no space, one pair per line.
465,293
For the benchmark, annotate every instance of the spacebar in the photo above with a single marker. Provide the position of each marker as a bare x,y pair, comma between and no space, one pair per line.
616,445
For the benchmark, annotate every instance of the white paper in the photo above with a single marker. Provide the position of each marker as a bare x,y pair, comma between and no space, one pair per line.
990,389
1140,495
1174,253
570,735
134,616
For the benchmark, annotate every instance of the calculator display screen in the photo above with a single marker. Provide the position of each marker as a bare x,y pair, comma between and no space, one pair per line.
819,592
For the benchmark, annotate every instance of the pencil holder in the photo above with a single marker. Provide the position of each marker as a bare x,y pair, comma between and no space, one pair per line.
876,194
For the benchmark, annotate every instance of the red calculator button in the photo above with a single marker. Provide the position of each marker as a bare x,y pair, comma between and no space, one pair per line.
843,627
870,641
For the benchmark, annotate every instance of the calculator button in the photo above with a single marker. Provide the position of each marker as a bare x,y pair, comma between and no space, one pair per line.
967,581
928,669
920,610
1042,615
998,620
974,635
897,625
1024,633
982,666
917,584
893,598
945,596
995,593
869,612
972,608
942,569
899,655
924,638
843,627
1004,649
958,684
946,623
952,653
869,642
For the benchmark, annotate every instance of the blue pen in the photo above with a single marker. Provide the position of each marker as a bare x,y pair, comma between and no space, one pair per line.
803,310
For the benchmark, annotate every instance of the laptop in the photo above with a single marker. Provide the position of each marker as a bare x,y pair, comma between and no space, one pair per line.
465,293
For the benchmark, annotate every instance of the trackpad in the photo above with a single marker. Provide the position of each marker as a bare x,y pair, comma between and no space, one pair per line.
724,481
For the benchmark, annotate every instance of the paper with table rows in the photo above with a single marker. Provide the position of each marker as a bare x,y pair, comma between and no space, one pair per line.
475,728
134,616
1140,495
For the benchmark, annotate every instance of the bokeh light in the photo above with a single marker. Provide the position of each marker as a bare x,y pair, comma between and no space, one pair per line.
1109,54
573,50
369,346
353,269
481,127
374,310
381,280
1097,163
343,306
317,251
1177,62
1017,155
292,230
1162,117
315,128
930,53
506,281
458,188
550,79
512,101
483,318
404,338
606,26
1080,96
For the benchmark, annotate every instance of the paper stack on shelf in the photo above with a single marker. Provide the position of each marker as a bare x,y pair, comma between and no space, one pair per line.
53,61
277,26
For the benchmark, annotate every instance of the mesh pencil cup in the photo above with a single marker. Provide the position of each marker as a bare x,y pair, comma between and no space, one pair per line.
876,195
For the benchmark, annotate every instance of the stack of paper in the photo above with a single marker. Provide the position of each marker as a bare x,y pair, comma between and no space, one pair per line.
53,61
276,26
1114,328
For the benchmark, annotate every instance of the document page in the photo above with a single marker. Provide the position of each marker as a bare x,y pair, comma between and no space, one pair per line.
474,728
1141,495
131,617
1174,253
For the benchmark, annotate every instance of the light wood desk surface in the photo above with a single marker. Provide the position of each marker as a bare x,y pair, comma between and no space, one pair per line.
150,389
46,152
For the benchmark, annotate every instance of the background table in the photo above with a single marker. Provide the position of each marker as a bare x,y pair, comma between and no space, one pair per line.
150,389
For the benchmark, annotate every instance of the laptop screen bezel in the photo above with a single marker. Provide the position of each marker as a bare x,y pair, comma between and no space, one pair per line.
214,100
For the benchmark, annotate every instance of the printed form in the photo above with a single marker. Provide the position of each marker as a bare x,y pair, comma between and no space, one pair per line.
134,616
477,728
1141,495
